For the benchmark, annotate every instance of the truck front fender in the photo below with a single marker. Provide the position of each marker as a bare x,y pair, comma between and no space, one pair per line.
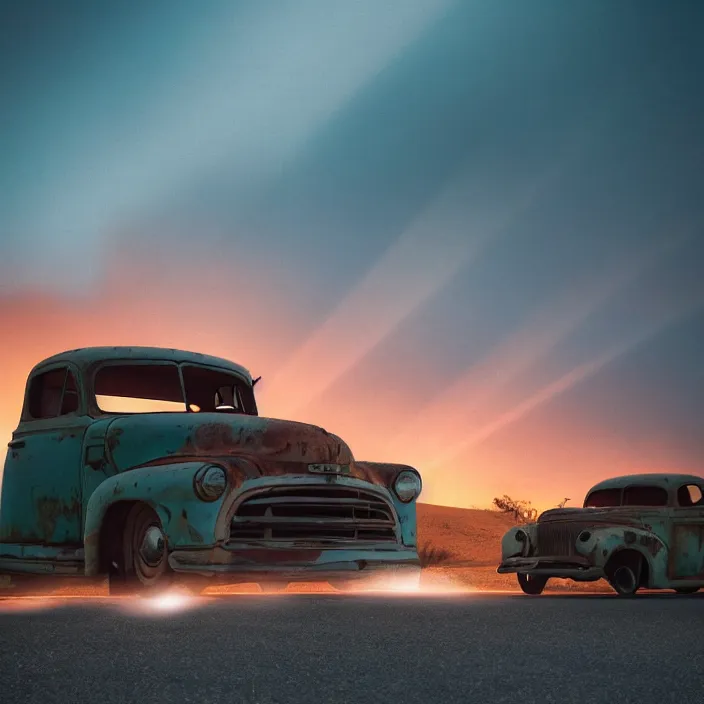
168,489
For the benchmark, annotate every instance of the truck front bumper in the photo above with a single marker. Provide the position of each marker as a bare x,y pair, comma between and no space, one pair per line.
571,567
244,564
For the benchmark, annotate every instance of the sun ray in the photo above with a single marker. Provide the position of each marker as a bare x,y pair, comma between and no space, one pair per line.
567,381
541,333
438,245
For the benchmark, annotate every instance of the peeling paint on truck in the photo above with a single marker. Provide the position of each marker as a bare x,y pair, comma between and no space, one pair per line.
223,494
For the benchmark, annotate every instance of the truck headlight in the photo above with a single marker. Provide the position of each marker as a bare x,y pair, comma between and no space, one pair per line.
210,482
408,485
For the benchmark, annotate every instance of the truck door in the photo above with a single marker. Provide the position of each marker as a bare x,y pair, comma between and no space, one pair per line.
41,494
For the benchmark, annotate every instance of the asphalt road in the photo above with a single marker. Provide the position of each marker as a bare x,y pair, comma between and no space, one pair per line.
341,648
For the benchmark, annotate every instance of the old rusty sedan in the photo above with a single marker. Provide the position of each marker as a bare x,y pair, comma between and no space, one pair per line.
152,466
635,531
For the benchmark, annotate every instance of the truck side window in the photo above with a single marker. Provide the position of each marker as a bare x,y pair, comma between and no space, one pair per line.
52,394
69,403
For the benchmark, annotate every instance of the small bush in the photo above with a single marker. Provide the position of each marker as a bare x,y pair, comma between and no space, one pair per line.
431,555
521,511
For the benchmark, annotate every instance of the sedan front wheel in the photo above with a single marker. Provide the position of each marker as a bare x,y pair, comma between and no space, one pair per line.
532,584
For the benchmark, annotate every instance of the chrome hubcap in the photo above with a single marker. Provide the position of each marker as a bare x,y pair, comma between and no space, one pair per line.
153,545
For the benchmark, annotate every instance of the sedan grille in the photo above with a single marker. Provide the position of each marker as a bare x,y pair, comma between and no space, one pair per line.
558,538
314,515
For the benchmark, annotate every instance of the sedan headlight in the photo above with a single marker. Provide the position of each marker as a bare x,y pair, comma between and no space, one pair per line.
210,482
408,485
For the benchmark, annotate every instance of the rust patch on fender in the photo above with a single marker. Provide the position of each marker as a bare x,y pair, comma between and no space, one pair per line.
651,544
113,439
382,473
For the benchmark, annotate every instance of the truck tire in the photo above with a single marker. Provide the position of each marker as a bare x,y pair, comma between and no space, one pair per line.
138,556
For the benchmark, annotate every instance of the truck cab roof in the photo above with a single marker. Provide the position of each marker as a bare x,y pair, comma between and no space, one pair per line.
86,357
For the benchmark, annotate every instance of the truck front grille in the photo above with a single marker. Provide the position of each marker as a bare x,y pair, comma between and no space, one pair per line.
304,514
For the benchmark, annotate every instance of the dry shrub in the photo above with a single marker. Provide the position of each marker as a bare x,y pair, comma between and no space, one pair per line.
521,511
431,555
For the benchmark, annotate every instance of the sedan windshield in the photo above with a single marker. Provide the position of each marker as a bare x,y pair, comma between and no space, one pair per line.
154,388
603,498
629,496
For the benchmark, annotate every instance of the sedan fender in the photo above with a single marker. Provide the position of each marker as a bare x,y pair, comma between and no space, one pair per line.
600,544
169,490
517,541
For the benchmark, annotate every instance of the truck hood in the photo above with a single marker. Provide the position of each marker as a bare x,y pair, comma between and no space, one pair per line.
137,440
247,446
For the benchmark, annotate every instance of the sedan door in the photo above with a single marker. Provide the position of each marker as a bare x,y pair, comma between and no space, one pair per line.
686,559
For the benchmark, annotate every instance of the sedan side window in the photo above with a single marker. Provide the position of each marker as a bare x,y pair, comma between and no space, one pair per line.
690,495
644,496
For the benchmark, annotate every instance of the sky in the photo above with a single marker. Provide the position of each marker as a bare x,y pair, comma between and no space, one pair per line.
461,234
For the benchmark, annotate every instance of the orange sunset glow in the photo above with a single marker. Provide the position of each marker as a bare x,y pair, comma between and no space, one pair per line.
448,436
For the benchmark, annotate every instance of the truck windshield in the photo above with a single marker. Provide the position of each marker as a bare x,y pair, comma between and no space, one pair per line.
210,390
154,388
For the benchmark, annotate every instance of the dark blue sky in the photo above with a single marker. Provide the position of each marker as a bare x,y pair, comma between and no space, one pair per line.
314,141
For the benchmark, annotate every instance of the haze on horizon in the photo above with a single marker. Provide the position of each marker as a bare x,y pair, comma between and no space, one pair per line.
462,235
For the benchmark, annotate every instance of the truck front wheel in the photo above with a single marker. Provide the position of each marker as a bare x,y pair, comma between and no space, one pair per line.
138,556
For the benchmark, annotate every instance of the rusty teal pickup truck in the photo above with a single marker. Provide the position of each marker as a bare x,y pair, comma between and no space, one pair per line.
153,467
636,531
